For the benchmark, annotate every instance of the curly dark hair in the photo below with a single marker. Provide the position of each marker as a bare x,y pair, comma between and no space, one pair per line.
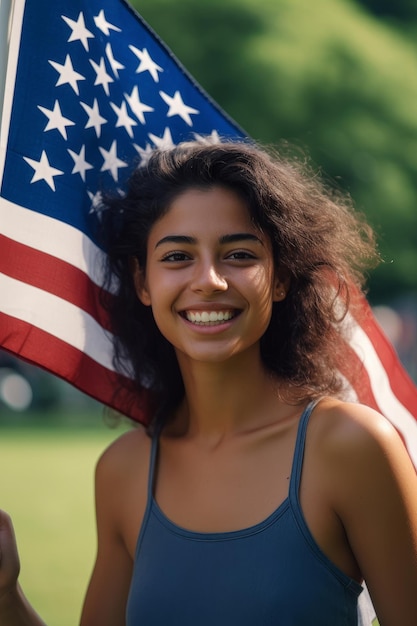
316,236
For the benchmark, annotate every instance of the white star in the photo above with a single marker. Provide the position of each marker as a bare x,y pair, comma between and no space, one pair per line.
143,153
213,138
94,118
102,77
177,107
115,65
56,120
165,142
105,26
146,63
80,164
79,31
138,108
111,161
67,74
123,118
96,202
43,171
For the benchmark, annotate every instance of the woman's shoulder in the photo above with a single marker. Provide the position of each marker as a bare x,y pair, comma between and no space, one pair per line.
121,486
356,444
352,428
129,451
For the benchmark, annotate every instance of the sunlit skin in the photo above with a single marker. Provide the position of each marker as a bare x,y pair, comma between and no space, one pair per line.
206,256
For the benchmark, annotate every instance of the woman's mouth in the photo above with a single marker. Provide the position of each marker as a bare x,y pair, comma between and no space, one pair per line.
209,318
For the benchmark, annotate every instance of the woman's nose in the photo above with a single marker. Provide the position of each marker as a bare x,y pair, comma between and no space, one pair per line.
207,279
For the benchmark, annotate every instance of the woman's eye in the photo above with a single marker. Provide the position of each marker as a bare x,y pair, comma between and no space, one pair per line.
240,255
175,257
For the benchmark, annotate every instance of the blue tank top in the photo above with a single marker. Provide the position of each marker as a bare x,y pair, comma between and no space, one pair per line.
270,574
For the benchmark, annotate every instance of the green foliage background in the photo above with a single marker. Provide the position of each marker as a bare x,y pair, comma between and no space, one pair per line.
337,78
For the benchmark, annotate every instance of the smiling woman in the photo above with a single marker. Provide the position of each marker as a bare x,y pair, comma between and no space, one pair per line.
319,247
205,258
256,495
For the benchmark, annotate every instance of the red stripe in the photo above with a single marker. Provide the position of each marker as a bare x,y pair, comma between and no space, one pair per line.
52,275
401,384
58,357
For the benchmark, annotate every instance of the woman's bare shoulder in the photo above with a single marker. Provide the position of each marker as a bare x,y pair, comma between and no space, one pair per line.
130,450
354,430
359,453
121,487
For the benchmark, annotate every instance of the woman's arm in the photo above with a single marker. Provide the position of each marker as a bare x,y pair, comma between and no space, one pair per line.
121,481
15,610
375,496
105,601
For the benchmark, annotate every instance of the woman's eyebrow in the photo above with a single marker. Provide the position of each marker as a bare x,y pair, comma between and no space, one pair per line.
232,238
180,239
236,237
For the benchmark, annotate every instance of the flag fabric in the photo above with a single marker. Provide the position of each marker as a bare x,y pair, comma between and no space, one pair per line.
90,90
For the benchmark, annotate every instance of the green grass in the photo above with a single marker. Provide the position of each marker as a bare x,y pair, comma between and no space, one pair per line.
47,486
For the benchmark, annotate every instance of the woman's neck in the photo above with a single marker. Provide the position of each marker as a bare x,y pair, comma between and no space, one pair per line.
223,399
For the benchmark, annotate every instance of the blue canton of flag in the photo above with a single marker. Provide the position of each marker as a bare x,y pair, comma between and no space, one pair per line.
96,90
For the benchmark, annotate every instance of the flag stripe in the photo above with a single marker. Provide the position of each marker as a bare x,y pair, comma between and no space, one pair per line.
52,275
386,400
53,237
57,317
42,348
400,382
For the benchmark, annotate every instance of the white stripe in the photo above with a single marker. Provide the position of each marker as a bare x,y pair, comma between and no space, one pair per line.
57,317
53,237
388,403
348,394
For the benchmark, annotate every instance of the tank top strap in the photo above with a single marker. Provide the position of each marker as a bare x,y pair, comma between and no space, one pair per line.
151,485
297,464
152,464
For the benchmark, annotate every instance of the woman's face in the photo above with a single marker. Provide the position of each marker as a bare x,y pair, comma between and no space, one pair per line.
210,276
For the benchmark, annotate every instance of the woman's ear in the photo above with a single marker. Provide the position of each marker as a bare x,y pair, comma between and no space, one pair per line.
139,280
282,283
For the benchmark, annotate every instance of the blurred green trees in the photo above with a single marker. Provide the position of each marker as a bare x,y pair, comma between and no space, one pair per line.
401,9
337,78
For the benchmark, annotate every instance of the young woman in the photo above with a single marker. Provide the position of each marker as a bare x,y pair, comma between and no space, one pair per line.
256,496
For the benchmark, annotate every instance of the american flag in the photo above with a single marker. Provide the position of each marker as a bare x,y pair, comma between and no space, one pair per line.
90,91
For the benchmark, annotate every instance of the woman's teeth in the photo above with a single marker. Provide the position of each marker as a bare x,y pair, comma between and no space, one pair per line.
208,317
